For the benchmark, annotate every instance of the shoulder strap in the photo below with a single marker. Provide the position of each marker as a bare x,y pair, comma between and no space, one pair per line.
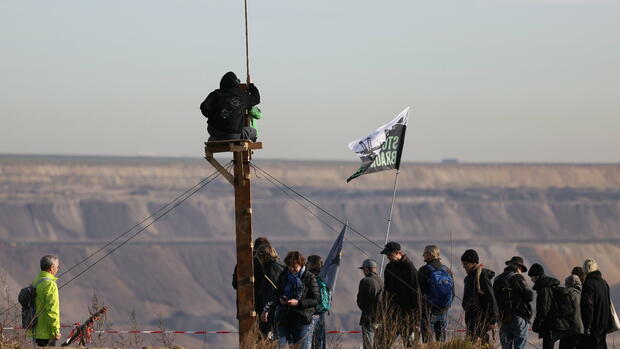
40,281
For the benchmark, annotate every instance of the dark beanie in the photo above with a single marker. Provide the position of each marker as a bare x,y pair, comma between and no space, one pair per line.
536,270
470,256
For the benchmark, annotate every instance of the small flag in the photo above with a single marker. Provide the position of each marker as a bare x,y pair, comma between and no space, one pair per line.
329,271
382,149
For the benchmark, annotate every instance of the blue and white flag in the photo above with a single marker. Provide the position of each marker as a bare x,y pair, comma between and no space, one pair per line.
329,271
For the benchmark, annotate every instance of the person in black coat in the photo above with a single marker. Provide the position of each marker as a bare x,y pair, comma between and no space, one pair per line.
225,109
402,291
513,299
297,296
595,307
259,275
549,327
481,312
270,268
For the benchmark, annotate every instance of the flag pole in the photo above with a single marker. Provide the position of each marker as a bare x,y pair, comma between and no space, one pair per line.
389,223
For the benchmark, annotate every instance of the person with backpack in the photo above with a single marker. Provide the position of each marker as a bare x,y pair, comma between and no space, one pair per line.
553,307
595,307
403,292
571,341
45,323
513,300
479,304
315,339
226,107
437,287
369,296
296,297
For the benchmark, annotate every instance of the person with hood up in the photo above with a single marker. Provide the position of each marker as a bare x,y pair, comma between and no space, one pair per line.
595,307
402,291
548,326
226,107
479,304
297,296
513,299
571,341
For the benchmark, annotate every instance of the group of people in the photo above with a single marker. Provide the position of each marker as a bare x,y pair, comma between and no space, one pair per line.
413,303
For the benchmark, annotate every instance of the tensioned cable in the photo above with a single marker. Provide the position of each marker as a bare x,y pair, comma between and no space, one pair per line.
199,186
139,223
141,230
352,229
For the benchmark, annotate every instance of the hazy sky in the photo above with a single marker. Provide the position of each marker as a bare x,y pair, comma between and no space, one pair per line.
487,80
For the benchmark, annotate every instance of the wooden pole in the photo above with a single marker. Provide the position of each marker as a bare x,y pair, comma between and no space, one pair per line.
245,269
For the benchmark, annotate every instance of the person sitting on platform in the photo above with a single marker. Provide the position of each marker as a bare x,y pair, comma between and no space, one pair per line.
225,110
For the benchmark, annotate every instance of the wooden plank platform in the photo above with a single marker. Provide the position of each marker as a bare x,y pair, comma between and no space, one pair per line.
235,145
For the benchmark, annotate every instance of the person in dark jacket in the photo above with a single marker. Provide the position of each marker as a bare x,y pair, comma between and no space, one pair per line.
481,312
513,299
225,109
571,341
368,298
297,297
548,326
435,316
315,339
595,307
270,265
259,278
402,291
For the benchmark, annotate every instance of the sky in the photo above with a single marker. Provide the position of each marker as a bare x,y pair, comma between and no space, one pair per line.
487,80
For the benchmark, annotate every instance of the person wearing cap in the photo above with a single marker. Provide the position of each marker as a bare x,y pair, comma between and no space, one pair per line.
437,287
403,291
368,298
481,313
549,327
513,299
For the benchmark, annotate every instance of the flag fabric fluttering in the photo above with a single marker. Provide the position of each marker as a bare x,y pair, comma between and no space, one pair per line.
382,149
329,271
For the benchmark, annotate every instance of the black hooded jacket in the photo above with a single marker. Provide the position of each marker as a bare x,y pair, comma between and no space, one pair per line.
479,302
545,321
401,284
515,299
225,107
595,307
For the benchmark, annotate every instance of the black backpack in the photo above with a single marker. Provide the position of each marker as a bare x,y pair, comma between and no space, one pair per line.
504,295
26,298
562,305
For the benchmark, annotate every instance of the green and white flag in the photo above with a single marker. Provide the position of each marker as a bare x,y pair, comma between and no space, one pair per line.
382,149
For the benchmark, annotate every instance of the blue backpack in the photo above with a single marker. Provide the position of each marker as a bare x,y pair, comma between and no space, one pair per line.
440,287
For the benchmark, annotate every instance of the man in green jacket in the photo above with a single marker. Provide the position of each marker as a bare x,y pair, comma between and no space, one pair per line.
47,330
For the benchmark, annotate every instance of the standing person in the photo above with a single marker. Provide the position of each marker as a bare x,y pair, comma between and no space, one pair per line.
297,295
315,339
271,268
437,287
479,303
403,292
595,307
580,273
225,109
47,329
547,324
513,300
572,340
369,295
259,275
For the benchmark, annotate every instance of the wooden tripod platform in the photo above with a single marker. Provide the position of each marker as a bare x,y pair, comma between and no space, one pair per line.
240,179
